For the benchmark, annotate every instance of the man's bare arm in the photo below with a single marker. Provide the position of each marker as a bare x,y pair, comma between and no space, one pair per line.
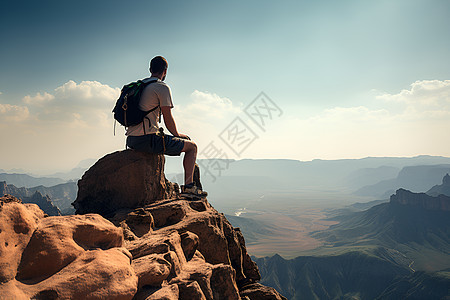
170,122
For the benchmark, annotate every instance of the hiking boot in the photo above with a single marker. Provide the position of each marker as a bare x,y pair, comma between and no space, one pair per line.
191,190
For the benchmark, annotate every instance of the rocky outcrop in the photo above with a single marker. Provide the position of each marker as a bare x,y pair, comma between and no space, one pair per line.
124,179
17,224
421,200
443,188
63,257
187,245
30,196
162,246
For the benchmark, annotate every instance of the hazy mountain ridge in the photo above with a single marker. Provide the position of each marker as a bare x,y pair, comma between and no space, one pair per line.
353,274
421,200
331,173
394,250
21,178
414,178
61,196
25,180
270,177
409,226
443,188
27,196
328,179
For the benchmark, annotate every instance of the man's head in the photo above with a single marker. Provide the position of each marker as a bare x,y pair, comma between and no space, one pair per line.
158,67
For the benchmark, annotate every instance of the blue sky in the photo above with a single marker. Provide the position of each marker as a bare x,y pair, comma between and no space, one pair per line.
352,77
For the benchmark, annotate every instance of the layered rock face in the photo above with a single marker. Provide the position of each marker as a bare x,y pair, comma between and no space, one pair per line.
188,250
161,246
422,200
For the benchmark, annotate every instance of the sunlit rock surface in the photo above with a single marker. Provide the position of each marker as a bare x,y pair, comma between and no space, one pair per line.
154,244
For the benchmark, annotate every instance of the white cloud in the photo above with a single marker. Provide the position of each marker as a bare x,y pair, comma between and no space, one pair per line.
38,99
87,91
426,100
211,105
74,122
61,127
425,95
408,123
82,104
13,113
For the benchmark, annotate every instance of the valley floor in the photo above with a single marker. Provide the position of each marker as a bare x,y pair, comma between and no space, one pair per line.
290,234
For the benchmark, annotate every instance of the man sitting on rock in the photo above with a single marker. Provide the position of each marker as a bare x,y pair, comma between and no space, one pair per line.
148,137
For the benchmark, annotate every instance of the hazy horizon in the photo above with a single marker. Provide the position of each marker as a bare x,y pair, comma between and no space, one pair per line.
174,164
342,80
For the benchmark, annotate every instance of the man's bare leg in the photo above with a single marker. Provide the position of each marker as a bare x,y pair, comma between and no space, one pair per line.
190,156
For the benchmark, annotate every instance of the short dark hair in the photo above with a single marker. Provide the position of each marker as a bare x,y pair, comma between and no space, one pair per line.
158,64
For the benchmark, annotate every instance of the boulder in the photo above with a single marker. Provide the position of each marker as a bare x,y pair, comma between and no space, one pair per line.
257,291
169,292
70,257
189,243
95,274
191,290
123,179
17,224
152,269
57,241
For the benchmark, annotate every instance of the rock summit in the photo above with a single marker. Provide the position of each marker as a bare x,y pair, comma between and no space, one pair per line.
134,237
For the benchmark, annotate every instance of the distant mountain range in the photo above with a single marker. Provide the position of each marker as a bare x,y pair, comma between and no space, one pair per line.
248,177
352,275
382,248
419,285
25,180
20,178
443,188
27,196
57,200
394,250
415,224
413,178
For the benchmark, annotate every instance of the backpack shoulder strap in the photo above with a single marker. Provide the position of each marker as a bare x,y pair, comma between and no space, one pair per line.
146,84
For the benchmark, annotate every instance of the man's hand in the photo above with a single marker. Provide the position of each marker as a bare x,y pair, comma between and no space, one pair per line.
183,136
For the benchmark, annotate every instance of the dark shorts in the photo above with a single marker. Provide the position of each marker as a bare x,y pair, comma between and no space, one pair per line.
153,143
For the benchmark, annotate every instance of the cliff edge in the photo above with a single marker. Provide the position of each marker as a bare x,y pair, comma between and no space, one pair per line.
135,238
421,200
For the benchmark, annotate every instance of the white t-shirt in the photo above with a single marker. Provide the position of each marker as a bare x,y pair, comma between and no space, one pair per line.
154,94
